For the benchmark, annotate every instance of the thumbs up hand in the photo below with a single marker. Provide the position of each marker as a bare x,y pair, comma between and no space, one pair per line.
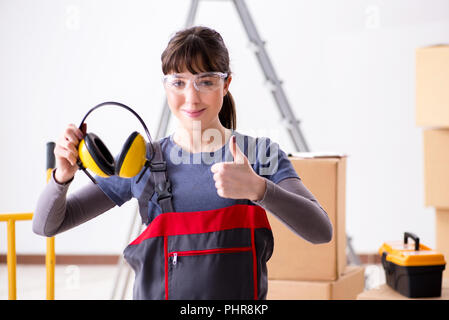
237,179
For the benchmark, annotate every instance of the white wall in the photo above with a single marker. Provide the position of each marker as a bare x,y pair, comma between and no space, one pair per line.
347,67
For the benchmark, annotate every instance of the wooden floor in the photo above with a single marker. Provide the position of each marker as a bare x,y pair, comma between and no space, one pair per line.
95,282
72,282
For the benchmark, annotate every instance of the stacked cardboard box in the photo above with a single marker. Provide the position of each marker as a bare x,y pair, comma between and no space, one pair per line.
301,270
432,114
348,286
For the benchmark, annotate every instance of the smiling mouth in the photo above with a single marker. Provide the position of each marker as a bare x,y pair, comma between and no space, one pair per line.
193,113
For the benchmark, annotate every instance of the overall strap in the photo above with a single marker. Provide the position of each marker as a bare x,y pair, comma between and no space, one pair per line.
162,184
144,198
157,182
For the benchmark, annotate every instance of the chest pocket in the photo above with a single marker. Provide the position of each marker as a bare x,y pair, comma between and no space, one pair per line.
211,273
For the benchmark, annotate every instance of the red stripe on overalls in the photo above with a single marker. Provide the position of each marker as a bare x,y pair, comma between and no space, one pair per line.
178,223
253,245
166,267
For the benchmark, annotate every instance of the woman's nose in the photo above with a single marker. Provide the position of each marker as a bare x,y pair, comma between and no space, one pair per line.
192,95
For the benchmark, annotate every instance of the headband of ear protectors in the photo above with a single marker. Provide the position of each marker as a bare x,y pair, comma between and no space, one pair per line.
95,156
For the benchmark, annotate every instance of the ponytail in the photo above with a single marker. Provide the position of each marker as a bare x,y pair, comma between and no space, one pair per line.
227,113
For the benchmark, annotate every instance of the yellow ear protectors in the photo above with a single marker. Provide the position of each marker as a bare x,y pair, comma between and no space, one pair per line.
95,156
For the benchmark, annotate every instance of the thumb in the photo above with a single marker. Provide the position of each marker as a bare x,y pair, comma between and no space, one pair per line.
239,156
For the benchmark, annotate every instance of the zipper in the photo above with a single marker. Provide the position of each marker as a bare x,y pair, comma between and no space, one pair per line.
175,258
175,254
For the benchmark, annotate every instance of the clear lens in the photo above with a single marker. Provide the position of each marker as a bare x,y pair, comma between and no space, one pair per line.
202,82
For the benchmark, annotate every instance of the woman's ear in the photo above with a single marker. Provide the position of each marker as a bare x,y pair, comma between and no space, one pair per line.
227,82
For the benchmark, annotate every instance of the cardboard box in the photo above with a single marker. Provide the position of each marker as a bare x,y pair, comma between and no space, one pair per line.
296,259
442,236
436,167
432,83
348,286
384,292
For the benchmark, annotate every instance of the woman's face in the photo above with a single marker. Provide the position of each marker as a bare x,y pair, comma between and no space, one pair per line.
193,102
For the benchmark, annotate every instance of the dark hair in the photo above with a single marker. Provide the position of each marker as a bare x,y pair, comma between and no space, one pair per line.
201,49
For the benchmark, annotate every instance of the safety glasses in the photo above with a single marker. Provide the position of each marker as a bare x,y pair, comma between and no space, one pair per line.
205,82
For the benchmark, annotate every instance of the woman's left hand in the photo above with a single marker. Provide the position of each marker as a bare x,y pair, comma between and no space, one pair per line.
237,179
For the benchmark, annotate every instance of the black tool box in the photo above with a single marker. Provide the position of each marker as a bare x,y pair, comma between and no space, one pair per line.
413,270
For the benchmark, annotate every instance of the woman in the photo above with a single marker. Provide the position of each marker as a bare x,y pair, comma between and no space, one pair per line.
216,243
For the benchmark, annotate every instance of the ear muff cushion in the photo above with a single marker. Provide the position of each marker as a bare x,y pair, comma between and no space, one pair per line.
87,160
95,156
131,159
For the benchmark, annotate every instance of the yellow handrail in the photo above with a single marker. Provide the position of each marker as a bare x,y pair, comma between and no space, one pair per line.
50,267
16,216
11,258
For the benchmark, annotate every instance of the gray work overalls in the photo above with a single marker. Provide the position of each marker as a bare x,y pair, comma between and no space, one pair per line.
213,254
